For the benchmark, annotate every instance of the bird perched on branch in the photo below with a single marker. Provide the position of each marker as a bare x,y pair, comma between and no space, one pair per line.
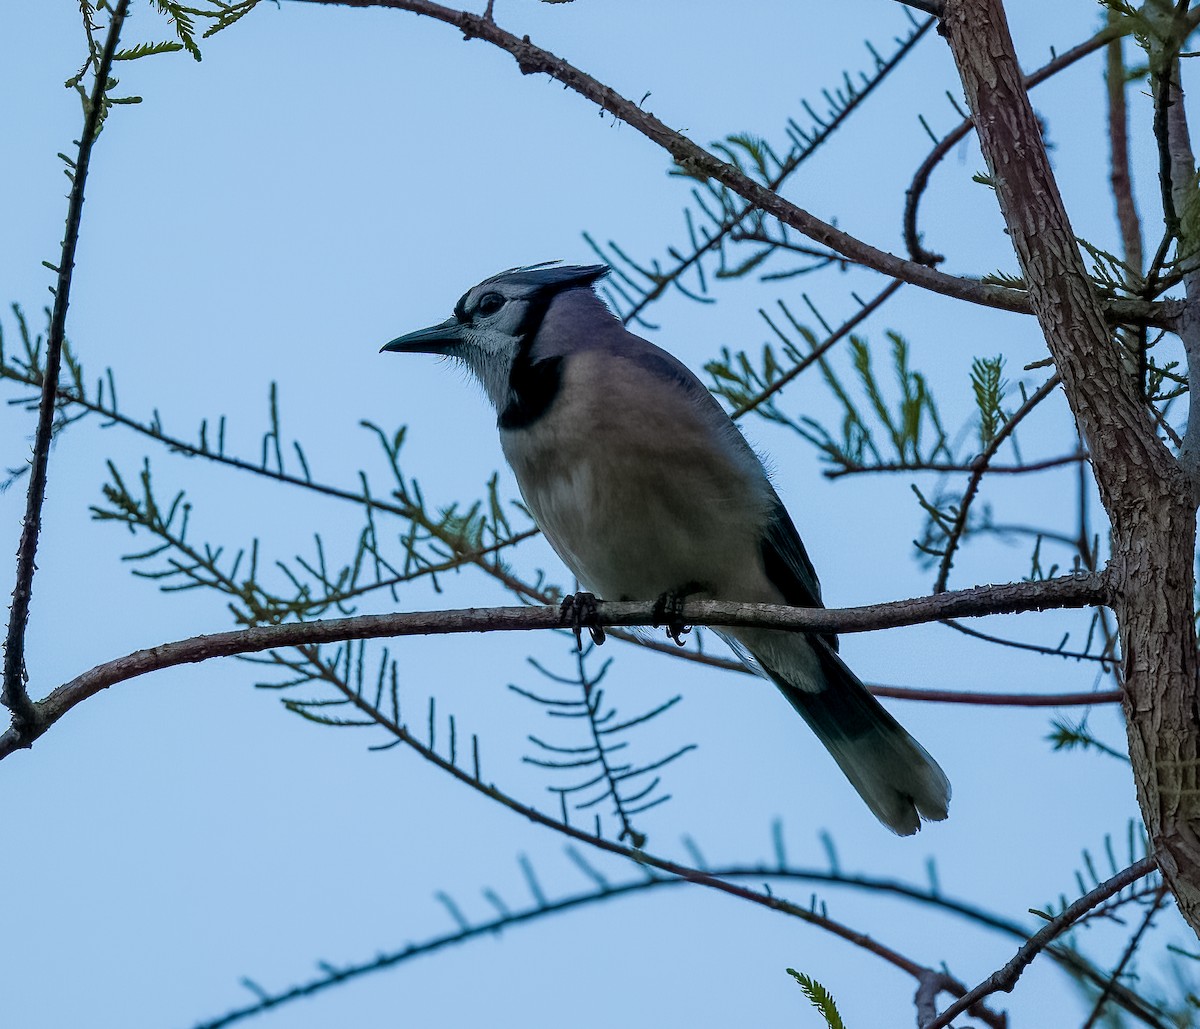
647,491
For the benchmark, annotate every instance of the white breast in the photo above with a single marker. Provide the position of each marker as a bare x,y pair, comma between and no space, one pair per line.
640,499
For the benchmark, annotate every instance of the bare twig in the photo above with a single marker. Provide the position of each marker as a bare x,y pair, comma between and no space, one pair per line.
1069,591
1106,660
1004,979
1118,142
920,181
840,333
943,468
14,695
1114,978
1131,949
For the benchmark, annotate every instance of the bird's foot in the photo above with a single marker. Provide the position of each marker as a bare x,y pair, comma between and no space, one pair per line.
578,612
668,611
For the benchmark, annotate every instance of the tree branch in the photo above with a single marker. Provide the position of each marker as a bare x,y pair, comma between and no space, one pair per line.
1068,591
979,467
920,181
13,695
331,976
1118,141
945,467
1006,978
818,351
695,160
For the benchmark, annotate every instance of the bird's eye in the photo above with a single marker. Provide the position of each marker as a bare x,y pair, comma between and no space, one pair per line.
490,303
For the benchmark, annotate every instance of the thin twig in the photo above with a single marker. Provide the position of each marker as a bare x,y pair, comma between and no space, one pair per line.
641,857
1120,176
1105,660
840,333
947,467
920,180
14,695
1134,942
998,699
1181,184
715,238
979,467
1004,979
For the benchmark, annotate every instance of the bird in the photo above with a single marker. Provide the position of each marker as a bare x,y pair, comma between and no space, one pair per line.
647,491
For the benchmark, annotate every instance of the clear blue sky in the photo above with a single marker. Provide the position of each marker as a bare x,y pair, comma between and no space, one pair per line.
324,180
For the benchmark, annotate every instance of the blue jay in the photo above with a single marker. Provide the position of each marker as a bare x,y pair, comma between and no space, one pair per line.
648,491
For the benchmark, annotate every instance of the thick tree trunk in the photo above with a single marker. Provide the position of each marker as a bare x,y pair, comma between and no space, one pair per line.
1146,494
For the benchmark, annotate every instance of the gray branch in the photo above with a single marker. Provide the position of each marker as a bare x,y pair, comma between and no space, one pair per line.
1008,598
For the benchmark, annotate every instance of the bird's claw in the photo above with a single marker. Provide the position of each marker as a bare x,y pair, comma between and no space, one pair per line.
668,612
578,612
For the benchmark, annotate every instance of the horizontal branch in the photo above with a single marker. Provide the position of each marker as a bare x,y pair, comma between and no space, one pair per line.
948,467
1008,598
997,699
697,161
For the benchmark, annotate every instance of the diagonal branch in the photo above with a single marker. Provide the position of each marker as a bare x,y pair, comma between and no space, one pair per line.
1009,598
978,469
818,351
13,694
1006,978
695,160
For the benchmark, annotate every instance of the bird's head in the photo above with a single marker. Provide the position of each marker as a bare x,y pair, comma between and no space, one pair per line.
496,321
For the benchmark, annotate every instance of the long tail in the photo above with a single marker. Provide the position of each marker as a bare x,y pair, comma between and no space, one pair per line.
891,771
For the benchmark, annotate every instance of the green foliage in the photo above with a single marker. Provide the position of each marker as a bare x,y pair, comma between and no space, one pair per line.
866,432
431,541
820,999
874,429
989,387
1068,735
999,278
180,18
1110,274
140,50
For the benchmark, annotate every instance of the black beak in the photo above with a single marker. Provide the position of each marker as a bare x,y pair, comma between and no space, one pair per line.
437,339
